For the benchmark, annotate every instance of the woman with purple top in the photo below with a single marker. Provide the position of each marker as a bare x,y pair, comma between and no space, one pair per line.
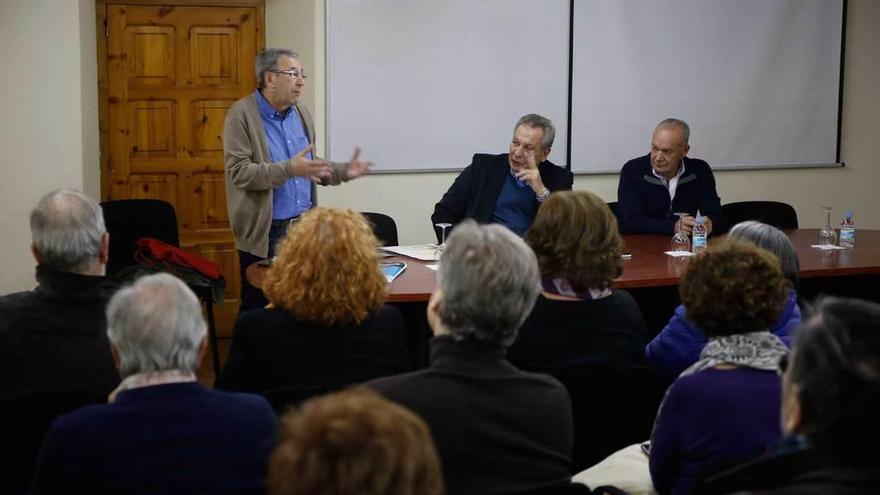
725,407
679,344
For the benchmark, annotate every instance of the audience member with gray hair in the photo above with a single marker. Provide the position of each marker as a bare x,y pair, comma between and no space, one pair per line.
497,429
161,431
54,353
508,188
679,344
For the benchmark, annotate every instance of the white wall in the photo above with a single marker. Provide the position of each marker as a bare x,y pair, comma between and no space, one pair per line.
48,130
410,198
49,127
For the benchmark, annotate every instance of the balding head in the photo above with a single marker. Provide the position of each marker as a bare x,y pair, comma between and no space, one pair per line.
68,233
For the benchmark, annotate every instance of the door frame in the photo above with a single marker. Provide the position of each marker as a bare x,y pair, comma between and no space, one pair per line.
101,32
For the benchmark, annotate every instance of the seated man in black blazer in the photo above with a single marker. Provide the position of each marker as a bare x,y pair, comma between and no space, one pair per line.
498,430
507,188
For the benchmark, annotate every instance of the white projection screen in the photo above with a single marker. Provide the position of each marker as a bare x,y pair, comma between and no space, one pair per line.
423,84
756,80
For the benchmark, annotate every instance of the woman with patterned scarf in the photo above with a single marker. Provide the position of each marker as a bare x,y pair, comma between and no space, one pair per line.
725,407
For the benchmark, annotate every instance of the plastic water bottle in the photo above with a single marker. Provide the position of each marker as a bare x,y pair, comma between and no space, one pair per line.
698,243
847,230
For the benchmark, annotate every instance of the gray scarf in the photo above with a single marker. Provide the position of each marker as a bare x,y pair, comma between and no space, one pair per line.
758,350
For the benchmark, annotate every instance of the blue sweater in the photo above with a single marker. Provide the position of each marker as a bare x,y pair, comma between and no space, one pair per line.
644,206
678,345
711,419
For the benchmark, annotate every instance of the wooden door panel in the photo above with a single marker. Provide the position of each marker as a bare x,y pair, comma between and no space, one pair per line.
172,72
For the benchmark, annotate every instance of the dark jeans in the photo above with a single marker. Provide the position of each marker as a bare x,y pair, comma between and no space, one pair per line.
252,297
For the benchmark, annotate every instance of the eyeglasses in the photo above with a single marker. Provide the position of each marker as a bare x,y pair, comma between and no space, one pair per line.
293,73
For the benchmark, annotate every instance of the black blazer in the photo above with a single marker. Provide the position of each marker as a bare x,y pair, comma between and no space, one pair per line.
476,190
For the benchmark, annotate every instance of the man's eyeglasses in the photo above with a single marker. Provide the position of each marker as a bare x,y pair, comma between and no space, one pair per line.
293,73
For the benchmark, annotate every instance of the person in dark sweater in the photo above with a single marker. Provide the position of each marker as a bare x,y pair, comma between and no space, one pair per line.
507,188
725,407
498,430
328,326
830,406
161,432
54,352
578,319
654,187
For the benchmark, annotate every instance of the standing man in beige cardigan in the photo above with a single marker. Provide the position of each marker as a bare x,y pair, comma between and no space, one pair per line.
270,168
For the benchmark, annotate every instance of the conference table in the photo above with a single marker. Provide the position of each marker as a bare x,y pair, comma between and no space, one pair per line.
652,278
650,267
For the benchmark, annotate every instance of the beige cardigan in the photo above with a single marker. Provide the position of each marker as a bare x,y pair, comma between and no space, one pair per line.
251,175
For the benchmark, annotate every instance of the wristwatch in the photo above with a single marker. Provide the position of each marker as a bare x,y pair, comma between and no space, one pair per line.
543,196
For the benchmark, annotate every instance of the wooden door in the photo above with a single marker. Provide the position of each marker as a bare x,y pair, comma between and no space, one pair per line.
167,76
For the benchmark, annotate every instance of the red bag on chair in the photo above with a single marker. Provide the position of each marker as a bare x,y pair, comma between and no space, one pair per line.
152,252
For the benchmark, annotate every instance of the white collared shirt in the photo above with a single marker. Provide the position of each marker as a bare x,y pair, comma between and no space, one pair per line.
672,183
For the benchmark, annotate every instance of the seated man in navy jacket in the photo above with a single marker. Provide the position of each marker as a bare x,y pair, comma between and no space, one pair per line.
507,188
654,187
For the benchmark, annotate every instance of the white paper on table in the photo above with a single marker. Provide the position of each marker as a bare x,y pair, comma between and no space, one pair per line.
424,252
679,254
433,266
826,247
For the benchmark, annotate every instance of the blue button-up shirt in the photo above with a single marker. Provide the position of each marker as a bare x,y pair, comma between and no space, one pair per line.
286,136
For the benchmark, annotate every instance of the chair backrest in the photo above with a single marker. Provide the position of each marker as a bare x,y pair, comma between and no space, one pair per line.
780,215
283,398
612,408
128,220
383,226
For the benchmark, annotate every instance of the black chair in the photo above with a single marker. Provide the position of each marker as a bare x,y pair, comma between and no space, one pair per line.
780,215
383,226
283,398
128,220
612,205
612,408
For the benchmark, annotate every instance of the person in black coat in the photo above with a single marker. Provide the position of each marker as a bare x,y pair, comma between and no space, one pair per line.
54,352
579,321
506,188
327,326
498,430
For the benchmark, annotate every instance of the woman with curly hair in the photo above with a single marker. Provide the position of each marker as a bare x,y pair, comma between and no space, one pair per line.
725,407
679,344
578,320
327,325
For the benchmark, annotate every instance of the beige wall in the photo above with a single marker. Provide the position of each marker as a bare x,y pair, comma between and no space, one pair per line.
48,130
50,139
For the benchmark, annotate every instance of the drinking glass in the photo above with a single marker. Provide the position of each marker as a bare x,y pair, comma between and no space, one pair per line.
439,249
827,236
681,241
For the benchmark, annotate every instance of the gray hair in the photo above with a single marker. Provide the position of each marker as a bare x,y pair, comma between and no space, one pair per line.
535,120
66,228
156,325
673,122
774,240
490,280
267,60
